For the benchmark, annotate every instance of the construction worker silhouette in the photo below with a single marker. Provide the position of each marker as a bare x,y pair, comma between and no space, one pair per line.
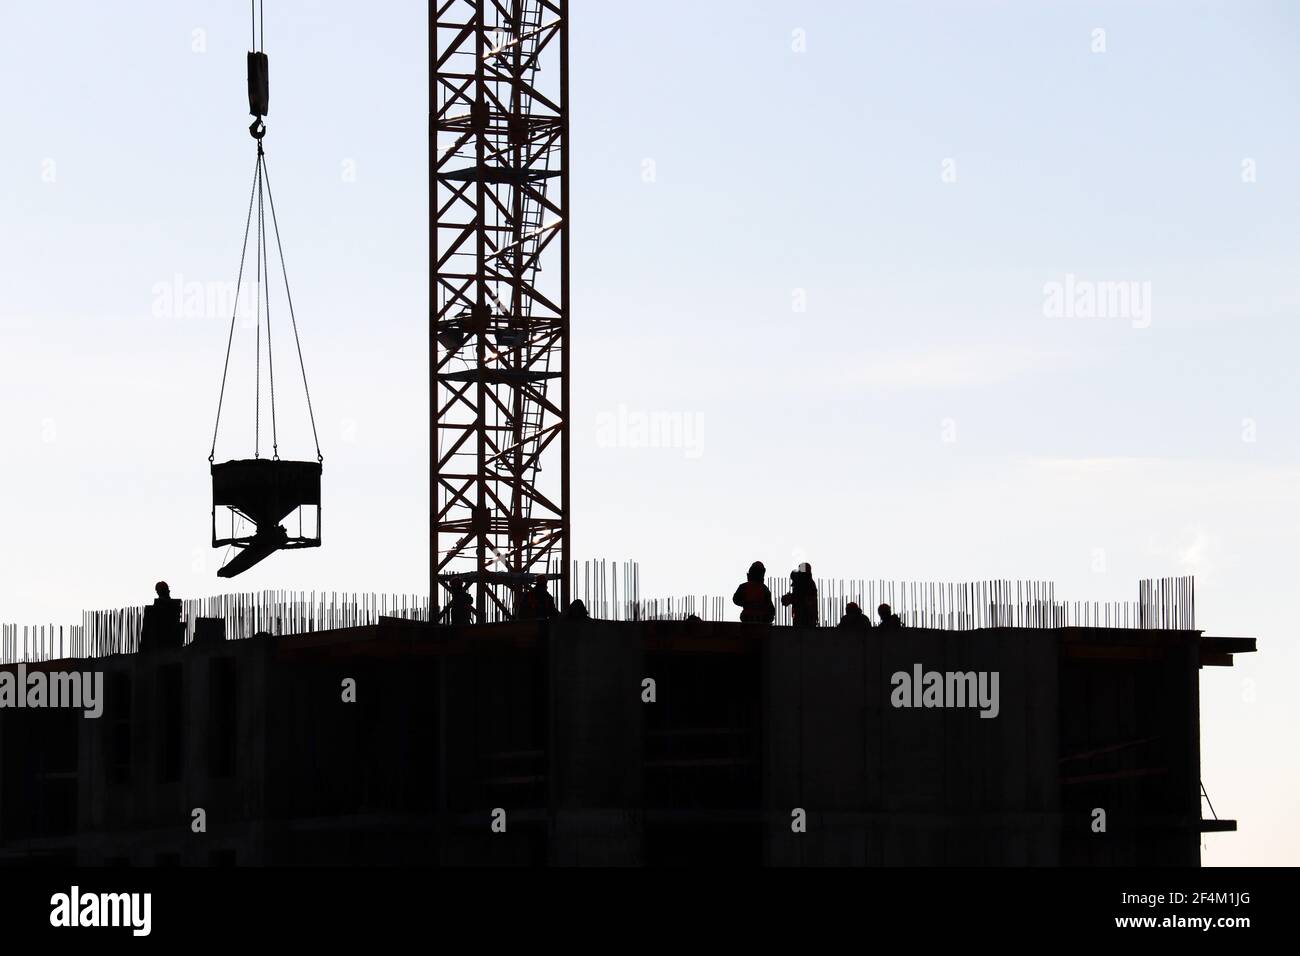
888,619
461,609
802,599
854,619
536,603
754,598
578,611
162,626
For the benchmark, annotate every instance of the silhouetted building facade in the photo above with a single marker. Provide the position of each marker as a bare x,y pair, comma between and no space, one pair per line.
398,743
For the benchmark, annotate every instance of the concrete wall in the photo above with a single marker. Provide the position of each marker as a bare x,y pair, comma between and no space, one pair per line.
886,786
547,723
595,739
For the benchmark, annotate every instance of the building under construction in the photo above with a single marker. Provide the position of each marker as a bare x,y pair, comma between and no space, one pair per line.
537,743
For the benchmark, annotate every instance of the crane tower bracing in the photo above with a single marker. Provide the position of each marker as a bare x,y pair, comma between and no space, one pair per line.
499,265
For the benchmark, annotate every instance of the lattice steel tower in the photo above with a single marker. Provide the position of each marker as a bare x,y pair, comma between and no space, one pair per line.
499,265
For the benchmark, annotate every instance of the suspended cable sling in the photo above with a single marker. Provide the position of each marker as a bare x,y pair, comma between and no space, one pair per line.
259,491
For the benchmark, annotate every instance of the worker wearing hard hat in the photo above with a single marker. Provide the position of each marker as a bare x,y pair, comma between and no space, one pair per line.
802,598
754,598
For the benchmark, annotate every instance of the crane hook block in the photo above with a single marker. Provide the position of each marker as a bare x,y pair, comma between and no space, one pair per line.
259,85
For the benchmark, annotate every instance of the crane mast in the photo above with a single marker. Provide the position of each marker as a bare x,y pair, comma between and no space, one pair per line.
499,299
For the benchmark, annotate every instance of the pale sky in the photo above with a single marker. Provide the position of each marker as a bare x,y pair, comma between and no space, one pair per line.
821,234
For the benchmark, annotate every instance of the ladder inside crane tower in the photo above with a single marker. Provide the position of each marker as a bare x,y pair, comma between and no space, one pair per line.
532,229
258,494
523,251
